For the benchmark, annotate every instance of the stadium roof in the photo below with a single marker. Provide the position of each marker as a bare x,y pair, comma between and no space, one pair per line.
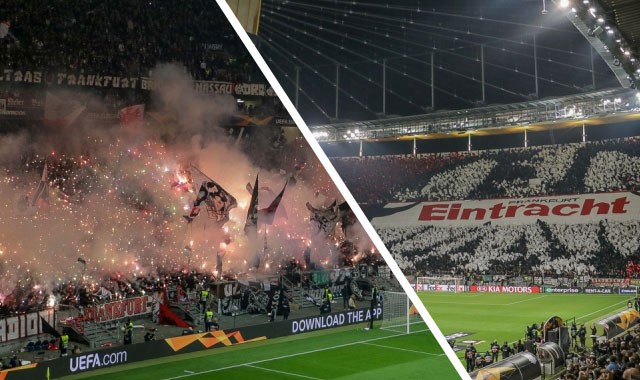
590,107
346,60
612,28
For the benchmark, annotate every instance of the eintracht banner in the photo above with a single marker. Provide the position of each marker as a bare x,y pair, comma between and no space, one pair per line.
566,209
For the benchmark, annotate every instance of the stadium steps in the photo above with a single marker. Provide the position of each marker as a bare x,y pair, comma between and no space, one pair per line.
95,335
100,334
390,284
189,311
298,298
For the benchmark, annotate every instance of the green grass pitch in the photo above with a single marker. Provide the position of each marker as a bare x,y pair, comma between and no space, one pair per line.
345,353
505,316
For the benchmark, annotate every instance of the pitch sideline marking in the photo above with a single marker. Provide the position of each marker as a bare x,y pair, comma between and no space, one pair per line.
525,300
283,372
402,349
285,356
491,304
604,308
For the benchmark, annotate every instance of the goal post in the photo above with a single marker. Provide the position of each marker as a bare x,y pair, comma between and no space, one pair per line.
397,312
439,284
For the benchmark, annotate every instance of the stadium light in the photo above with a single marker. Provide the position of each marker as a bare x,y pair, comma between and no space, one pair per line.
564,3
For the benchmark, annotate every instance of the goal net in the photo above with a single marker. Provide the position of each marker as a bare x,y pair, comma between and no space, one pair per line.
398,312
439,284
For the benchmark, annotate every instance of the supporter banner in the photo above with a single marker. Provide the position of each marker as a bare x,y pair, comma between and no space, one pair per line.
24,325
609,281
127,82
569,209
188,342
239,298
618,323
335,280
128,307
219,88
562,289
503,289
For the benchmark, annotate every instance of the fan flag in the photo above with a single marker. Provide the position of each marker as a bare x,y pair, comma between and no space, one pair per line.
132,117
281,211
4,28
347,217
219,202
60,110
42,192
267,214
325,219
251,224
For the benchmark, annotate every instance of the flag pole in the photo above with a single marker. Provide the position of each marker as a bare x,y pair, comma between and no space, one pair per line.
264,248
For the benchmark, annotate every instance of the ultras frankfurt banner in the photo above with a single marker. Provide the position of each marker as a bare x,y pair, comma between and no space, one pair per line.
565,209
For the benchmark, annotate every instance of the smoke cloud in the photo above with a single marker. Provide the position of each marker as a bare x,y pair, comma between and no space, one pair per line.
114,201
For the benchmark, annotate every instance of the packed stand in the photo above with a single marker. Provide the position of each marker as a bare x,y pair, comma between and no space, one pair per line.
598,166
127,38
375,180
596,249
28,296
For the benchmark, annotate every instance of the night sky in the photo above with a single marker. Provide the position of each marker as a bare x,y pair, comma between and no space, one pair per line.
358,36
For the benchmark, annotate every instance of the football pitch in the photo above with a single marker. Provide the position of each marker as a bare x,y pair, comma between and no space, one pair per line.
486,316
345,353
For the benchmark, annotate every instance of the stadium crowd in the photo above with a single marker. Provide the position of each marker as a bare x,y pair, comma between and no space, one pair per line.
597,249
128,38
543,248
28,296
597,166
608,359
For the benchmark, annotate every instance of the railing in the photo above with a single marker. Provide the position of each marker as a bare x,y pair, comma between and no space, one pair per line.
71,316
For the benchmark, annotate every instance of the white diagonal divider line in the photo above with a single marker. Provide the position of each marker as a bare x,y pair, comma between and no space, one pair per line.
288,356
283,372
322,157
